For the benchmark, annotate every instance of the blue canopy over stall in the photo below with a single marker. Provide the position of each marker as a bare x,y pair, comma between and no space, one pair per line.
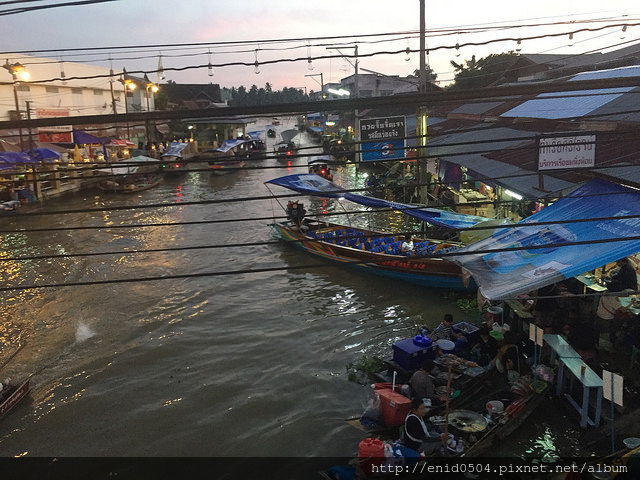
534,255
316,185
9,160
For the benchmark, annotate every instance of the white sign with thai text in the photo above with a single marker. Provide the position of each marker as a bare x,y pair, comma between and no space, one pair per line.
567,152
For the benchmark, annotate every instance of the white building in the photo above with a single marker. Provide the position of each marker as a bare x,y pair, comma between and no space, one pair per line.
58,88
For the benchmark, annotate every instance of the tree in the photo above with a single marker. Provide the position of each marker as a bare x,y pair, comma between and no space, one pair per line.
482,73
431,75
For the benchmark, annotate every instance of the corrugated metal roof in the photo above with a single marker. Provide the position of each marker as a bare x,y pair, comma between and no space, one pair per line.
556,105
486,139
477,108
622,72
624,174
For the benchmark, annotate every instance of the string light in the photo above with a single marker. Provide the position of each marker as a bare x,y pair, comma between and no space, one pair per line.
309,61
623,33
407,55
519,46
457,49
210,67
571,39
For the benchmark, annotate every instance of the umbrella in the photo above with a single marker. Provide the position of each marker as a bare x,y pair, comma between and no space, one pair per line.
77,157
44,154
9,160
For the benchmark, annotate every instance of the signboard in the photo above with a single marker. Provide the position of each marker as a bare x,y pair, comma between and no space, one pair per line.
536,334
382,138
57,134
567,152
612,387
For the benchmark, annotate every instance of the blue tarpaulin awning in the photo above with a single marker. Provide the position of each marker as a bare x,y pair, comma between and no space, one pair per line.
9,160
546,254
318,186
84,138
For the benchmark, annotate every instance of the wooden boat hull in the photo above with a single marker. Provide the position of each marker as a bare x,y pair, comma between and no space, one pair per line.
225,167
427,272
14,398
114,186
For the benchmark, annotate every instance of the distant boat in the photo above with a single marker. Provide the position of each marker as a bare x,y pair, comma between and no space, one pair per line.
231,156
11,395
139,173
175,159
321,165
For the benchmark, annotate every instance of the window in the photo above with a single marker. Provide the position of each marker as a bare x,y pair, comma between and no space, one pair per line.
76,91
366,93
23,88
51,89
97,91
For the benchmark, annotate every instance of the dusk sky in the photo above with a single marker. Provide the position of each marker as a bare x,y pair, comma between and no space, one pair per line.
148,24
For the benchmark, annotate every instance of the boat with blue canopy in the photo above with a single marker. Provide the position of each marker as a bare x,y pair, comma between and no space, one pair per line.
374,252
230,156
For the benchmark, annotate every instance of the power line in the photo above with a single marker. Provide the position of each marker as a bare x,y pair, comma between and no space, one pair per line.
296,267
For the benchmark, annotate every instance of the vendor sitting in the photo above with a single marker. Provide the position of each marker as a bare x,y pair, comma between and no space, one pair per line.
421,435
445,331
423,386
485,349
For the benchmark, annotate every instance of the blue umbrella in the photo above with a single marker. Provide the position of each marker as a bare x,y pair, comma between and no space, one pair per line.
45,154
9,160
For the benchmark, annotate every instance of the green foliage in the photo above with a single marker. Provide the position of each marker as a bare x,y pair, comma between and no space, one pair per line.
481,73
364,368
264,96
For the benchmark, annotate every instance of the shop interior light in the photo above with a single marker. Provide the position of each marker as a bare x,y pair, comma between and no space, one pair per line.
513,194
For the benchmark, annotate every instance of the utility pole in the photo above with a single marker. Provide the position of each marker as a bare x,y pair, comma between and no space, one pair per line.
113,102
35,173
421,115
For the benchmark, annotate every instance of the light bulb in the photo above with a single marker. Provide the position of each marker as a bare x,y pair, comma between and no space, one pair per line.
623,33
309,64
457,50
256,69
210,70
571,39
518,46
407,55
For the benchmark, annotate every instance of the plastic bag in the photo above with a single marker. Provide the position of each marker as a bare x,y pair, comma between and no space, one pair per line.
373,412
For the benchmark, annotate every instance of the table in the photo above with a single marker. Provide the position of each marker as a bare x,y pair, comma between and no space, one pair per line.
559,347
590,381
591,282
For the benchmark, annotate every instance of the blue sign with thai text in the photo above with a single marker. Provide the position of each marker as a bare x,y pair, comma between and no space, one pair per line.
382,138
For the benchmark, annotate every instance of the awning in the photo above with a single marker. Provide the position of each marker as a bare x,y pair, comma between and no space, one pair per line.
116,142
44,154
84,138
557,251
229,144
316,185
9,160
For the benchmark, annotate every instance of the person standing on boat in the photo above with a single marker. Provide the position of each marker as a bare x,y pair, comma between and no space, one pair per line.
418,434
407,245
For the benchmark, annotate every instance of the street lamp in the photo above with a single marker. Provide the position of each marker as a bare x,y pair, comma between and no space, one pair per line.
128,85
18,72
150,86
321,82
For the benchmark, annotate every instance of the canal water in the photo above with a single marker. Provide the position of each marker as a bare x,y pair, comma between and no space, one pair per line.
214,365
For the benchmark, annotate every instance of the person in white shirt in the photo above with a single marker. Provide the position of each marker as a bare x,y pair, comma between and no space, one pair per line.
407,245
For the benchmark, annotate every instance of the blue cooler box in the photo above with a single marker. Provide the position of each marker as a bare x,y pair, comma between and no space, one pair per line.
409,355
468,330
